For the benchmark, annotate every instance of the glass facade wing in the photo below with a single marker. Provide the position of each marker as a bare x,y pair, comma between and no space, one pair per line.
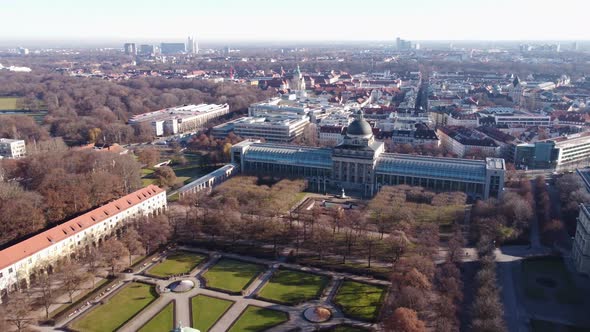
307,157
432,168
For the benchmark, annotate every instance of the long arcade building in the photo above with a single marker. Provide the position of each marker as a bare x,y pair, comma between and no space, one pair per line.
21,262
360,164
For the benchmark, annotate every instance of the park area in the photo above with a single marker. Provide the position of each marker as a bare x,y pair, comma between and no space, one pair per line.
232,275
207,310
163,321
360,300
255,319
404,202
177,263
13,106
293,287
184,174
8,103
118,309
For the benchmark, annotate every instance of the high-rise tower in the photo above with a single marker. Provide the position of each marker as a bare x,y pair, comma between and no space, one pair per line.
192,46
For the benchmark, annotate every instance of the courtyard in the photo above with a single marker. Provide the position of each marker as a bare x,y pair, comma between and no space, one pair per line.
231,293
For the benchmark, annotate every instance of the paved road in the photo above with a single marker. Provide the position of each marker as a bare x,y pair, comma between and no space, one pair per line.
508,260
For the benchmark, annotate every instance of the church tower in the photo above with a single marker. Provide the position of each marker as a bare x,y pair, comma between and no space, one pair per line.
298,82
517,91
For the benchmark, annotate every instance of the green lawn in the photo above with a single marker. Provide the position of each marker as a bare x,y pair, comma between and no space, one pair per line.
429,213
177,263
118,310
174,197
162,322
146,171
292,287
189,172
552,268
8,103
255,319
360,300
232,275
146,182
207,310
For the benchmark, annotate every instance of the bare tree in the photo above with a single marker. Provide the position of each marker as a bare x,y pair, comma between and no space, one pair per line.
4,325
72,277
92,260
395,246
46,294
405,320
132,242
148,156
456,244
113,252
153,231
19,310
369,242
166,176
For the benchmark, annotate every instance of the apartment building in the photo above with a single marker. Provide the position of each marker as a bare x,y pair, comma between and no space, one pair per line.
22,262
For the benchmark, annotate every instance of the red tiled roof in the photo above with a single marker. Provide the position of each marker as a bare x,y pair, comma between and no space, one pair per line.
74,226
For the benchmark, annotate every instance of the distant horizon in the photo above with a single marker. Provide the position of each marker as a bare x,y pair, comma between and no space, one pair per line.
303,20
107,42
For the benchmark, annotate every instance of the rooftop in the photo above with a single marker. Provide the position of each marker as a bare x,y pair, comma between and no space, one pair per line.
179,112
74,226
290,155
9,140
467,136
451,168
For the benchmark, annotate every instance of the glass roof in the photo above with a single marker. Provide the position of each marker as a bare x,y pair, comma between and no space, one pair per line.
289,155
444,168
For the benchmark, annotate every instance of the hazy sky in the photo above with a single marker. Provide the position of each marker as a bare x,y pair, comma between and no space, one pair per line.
295,20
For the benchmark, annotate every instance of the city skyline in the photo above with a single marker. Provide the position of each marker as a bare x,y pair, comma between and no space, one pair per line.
230,20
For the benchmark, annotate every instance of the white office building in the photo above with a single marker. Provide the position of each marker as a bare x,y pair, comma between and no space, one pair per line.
523,120
12,148
180,119
272,129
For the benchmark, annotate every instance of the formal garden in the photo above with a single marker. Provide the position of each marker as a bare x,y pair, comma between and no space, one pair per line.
231,294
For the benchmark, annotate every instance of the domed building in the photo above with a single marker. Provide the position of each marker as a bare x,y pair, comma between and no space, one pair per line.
354,159
361,166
